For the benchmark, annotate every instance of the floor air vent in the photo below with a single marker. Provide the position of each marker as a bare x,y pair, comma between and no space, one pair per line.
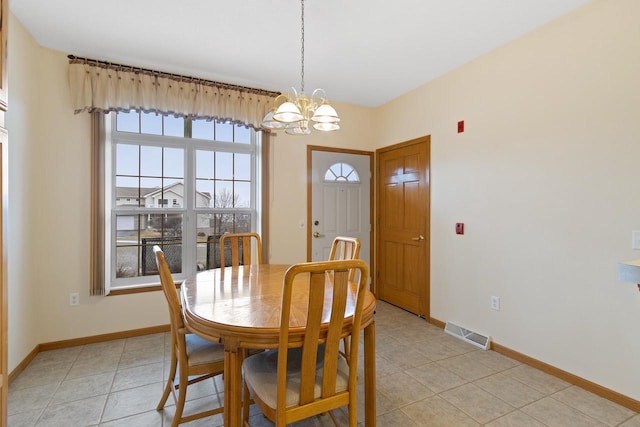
471,337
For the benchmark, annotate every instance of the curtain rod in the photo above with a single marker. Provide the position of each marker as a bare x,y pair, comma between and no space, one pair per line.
175,76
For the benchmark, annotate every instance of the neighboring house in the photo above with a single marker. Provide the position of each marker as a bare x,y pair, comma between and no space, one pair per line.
170,196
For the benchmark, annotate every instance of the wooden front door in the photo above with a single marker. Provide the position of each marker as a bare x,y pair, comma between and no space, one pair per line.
403,225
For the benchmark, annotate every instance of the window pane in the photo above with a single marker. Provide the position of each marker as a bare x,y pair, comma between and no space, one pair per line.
127,159
223,195
174,162
224,132
202,129
173,126
242,195
127,191
242,135
204,164
173,193
224,165
151,123
242,166
150,191
151,161
128,122
208,241
136,235
242,223
204,194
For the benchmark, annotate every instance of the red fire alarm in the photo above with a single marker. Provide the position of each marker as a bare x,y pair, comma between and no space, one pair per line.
461,126
459,228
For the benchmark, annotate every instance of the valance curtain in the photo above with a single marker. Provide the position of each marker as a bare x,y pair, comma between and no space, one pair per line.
98,86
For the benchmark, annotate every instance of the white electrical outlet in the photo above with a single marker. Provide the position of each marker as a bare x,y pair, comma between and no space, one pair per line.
495,303
74,298
635,239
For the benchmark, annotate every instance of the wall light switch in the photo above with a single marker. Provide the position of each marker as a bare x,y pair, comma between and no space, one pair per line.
635,239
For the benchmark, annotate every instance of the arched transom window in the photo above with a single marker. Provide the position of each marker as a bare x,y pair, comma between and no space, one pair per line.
341,172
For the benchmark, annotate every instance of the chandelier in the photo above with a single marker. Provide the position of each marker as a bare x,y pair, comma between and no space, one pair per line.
296,113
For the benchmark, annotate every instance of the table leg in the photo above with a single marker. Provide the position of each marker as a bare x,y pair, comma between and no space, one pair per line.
370,375
232,387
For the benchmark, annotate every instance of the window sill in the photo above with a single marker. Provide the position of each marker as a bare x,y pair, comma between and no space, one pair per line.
137,290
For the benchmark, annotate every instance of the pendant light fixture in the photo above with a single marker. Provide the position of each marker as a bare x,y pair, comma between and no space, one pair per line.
296,113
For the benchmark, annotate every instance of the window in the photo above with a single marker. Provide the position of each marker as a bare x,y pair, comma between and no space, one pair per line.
341,172
177,183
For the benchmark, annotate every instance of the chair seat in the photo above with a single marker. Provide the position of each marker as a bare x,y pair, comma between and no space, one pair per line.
261,372
201,351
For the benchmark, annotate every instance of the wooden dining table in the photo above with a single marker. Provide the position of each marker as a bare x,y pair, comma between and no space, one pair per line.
240,308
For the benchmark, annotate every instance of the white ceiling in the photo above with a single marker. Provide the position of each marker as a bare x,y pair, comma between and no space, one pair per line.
364,52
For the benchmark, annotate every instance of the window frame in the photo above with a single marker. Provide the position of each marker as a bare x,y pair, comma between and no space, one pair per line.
189,211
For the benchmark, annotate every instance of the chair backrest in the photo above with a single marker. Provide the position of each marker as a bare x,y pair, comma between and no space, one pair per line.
240,248
345,248
328,282
170,292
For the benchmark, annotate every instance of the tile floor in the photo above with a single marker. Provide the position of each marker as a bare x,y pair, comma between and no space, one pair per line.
425,378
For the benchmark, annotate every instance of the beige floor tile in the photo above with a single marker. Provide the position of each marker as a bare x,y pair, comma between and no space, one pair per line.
437,378
139,357
396,418
148,419
34,376
479,404
437,412
595,406
493,360
632,422
554,413
404,356
138,376
100,364
539,380
512,391
101,349
515,419
81,388
402,389
24,419
29,399
434,363
466,367
85,412
133,401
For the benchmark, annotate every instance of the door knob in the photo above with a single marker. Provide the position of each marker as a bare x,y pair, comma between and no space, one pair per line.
316,234
420,237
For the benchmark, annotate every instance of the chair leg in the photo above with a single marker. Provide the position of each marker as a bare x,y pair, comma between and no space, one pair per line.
182,396
245,405
168,388
347,346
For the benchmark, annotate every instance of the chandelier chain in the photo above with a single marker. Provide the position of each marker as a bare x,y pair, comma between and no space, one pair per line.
302,49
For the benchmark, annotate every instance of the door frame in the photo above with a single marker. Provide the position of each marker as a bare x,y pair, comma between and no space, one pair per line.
310,150
424,139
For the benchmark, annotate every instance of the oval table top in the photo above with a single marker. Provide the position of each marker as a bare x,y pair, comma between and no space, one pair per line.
244,303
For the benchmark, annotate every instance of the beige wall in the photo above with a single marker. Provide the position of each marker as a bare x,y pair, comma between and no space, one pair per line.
24,250
49,212
545,178
289,178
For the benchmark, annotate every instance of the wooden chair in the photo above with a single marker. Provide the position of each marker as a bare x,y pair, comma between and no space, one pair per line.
240,245
290,384
191,355
345,248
